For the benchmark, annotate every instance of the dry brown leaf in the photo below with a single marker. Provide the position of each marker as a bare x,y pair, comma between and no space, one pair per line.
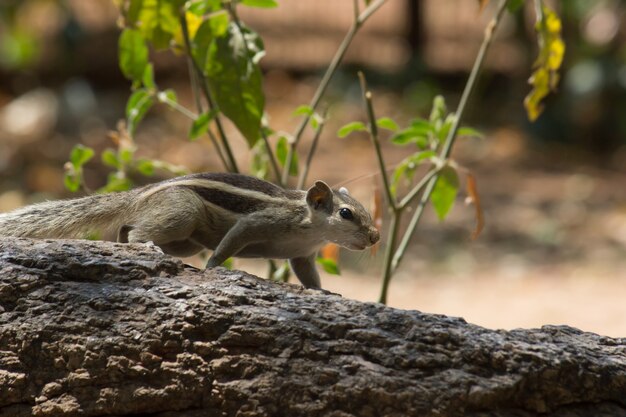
474,198
330,251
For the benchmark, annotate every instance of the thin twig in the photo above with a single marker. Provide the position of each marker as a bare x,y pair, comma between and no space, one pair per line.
373,129
207,93
328,75
389,250
193,78
408,199
270,154
309,158
185,111
408,234
176,106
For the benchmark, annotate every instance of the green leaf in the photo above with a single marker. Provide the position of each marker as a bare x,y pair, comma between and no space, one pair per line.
282,149
445,192
214,26
445,127
138,105
411,135
133,54
218,23
145,167
387,123
315,121
72,181
202,7
329,266
229,263
126,156
158,20
167,96
267,4
260,160
551,51
109,158
408,167
419,157
303,110
397,176
235,78
282,273
439,109
350,127
514,5
201,125
132,14
468,131
80,155
422,125
116,183
148,77
404,137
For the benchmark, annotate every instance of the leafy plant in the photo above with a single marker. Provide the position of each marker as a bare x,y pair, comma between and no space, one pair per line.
434,138
223,56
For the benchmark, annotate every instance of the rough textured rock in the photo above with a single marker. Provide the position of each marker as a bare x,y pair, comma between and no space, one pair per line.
95,329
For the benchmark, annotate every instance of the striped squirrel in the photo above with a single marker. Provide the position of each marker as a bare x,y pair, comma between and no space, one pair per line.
232,214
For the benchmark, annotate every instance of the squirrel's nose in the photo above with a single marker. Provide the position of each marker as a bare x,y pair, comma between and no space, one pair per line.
374,235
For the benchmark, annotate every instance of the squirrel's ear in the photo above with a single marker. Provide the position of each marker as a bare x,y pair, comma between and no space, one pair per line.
320,197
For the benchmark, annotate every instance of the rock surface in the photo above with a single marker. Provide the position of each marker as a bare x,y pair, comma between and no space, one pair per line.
104,329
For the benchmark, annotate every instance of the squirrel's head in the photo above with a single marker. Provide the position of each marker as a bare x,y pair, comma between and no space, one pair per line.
345,220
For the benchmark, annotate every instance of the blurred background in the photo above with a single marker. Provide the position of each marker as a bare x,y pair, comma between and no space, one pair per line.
553,192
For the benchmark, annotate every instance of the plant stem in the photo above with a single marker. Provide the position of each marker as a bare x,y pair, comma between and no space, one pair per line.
309,158
273,162
450,139
328,75
408,199
207,93
193,78
471,82
369,107
391,243
176,106
417,215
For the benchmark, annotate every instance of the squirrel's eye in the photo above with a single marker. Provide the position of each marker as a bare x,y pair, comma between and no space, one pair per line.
346,214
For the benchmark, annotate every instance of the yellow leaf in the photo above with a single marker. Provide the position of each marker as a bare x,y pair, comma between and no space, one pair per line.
193,23
545,78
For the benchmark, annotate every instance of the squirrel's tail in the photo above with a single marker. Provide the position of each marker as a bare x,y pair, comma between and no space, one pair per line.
70,219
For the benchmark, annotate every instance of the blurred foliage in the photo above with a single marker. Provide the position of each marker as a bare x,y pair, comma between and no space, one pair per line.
19,46
593,84
545,78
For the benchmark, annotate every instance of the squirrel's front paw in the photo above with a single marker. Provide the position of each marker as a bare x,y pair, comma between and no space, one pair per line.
150,244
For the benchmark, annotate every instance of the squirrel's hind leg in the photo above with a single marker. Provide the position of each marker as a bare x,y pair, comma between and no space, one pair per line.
168,220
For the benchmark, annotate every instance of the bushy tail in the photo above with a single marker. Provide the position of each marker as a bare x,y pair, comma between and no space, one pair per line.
68,219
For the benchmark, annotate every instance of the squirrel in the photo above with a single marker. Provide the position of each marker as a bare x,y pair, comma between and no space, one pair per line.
232,214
